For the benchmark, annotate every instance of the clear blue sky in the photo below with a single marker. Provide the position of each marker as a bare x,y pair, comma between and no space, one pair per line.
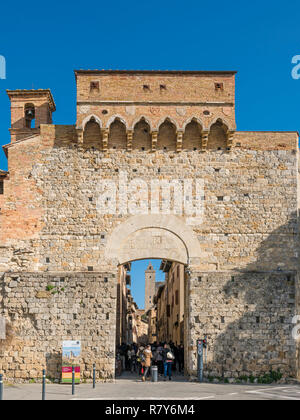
138,279
44,42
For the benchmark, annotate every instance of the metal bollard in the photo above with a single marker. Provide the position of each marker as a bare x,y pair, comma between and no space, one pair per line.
94,375
1,387
44,385
73,380
154,373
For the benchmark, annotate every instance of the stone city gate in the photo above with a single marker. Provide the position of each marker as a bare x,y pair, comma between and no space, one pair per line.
59,254
162,237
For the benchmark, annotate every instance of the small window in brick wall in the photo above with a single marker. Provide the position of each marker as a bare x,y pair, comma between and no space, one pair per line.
94,87
1,186
220,198
90,268
219,86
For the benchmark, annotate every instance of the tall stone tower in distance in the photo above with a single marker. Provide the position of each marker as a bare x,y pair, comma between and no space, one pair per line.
149,286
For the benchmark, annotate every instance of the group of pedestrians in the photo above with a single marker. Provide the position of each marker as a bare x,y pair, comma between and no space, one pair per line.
167,357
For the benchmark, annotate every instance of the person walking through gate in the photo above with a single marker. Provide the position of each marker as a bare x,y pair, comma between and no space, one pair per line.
181,358
148,356
159,359
140,359
168,359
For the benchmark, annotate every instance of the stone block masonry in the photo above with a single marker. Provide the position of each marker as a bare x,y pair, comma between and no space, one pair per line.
154,126
44,309
247,318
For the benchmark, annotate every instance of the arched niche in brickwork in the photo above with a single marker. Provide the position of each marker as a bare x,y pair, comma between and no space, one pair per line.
192,135
92,117
217,138
92,134
153,236
167,138
142,117
115,117
169,119
141,135
117,138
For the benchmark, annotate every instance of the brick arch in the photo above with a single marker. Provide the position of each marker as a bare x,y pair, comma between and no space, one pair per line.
195,119
117,134
153,236
166,138
226,125
89,118
142,135
192,134
167,119
217,138
115,117
92,135
139,119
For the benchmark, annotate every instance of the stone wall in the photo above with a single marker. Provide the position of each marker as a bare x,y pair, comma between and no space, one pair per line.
247,318
50,222
43,309
249,221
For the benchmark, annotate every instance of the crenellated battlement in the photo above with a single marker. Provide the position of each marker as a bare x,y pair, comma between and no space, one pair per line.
144,110
170,107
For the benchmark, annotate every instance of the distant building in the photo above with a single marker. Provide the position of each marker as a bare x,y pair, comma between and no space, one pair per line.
169,301
152,322
123,281
149,287
141,326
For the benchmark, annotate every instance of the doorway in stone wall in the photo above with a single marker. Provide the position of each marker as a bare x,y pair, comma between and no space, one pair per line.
150,310
170,240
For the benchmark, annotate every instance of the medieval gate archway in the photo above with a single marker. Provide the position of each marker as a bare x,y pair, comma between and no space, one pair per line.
158,237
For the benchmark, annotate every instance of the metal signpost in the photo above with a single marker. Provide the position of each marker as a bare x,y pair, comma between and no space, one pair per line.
94,375
73,380
44,385
1,387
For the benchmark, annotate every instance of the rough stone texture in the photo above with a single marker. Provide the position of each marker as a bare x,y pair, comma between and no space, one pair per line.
247,320
50,222
78,306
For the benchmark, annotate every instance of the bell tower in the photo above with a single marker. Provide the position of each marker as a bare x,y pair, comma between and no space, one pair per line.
29,109
149,286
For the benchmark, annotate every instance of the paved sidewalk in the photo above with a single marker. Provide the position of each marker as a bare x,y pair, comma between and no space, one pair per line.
133,389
